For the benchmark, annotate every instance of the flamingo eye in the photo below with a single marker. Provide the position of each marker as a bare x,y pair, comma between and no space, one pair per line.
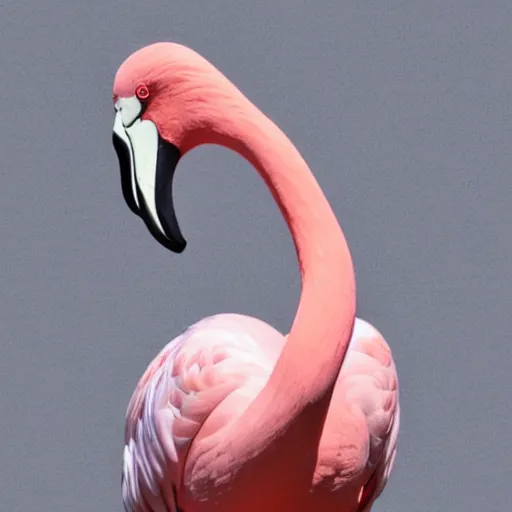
142,92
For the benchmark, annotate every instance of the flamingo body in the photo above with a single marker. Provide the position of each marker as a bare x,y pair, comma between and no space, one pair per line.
210,373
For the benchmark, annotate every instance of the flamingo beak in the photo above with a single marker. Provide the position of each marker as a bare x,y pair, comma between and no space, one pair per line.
147,164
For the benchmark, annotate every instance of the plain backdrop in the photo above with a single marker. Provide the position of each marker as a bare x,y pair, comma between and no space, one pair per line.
402,109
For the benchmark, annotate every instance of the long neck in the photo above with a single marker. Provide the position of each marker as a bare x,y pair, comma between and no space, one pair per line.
311,359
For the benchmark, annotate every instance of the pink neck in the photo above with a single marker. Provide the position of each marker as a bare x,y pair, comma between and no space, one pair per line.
311,359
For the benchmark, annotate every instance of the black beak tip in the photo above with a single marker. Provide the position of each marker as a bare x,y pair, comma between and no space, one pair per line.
179,247
172,242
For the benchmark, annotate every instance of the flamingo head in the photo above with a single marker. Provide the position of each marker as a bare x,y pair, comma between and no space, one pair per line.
160,99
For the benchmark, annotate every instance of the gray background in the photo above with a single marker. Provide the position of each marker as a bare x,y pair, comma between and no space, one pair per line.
403,110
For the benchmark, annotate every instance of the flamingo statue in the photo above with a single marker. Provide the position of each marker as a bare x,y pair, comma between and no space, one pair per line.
232,416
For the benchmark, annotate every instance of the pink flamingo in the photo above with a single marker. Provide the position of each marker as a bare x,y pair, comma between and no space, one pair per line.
232,416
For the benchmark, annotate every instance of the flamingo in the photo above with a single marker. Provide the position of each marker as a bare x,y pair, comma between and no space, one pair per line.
231,415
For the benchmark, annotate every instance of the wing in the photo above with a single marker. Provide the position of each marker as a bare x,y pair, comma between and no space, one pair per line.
180,389
373,387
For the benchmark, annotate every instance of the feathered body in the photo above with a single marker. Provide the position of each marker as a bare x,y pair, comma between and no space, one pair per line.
211,372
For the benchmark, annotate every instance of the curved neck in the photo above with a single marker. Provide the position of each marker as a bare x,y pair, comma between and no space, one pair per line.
311,359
